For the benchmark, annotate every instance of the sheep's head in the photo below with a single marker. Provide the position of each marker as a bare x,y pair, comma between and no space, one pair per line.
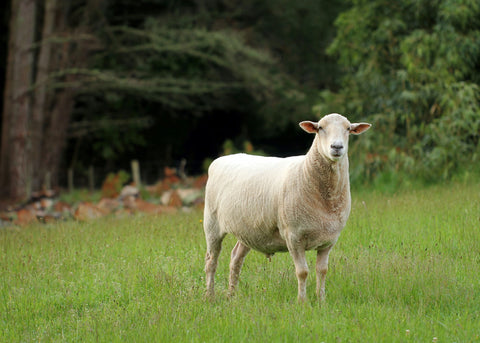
333,131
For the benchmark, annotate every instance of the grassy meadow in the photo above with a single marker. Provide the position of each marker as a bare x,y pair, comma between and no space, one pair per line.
406,269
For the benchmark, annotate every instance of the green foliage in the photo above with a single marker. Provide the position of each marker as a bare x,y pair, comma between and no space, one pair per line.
411,68
230,148
404,262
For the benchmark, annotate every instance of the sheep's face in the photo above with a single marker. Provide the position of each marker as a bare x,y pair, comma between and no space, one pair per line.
333,131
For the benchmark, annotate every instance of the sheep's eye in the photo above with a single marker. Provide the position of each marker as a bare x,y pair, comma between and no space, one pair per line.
320,128
349,128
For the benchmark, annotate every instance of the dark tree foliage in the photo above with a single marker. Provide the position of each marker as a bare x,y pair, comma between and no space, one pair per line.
176,79
412,68
155,80
162,80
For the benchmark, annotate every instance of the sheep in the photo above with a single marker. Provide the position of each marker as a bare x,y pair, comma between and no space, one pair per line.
273,204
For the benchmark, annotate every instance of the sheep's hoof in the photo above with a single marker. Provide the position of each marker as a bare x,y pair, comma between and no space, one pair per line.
210,296
302,300
231,292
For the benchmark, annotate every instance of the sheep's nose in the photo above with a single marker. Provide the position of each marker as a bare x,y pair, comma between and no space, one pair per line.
336,146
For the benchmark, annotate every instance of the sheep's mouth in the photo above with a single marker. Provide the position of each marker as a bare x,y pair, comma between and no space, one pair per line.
336,153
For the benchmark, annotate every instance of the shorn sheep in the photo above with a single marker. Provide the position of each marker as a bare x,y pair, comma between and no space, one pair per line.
275,204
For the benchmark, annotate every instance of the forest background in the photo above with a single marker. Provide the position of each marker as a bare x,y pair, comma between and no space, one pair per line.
101,82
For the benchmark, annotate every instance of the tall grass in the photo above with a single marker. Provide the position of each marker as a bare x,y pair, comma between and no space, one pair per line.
406,268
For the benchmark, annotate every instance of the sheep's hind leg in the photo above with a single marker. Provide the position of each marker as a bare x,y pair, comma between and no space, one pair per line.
238,256
214,245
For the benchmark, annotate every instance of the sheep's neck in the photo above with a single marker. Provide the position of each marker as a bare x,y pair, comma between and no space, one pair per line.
325,178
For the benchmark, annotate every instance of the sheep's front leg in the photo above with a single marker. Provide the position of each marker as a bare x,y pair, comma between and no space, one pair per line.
321,269
238,256
301,269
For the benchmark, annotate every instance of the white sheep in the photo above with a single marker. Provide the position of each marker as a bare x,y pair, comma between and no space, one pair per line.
275,204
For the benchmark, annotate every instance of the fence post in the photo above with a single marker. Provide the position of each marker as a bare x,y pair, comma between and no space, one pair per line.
136,173
181,169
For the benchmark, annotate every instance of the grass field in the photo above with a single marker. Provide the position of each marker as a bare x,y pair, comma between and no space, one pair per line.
406,269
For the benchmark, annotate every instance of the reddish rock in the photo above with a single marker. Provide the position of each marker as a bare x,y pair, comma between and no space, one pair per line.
171,175
113,184
175,200
46,203
6,216
87,211
25,216
109,188
47,218
147,207
200,181
108,205
61,207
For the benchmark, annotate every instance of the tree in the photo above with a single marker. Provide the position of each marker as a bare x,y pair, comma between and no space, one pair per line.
35,116
100,78
14,167
168,69
248,67
156,62
412,66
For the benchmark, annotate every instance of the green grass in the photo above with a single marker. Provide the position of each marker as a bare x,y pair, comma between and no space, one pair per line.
408,261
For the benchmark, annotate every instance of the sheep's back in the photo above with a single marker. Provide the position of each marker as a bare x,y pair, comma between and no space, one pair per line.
243,193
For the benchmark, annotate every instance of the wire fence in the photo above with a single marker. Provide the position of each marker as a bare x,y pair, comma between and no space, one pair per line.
144,172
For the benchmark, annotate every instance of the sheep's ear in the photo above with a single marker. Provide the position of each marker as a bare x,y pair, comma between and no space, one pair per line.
309,126
358,128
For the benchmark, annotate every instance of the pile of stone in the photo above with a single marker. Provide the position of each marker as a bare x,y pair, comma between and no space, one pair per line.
167,196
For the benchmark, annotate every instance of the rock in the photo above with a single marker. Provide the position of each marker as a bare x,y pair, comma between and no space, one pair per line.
200,182
171,175
108,205
175,200
112,185
62,207
46,203
87,211
128,191
7,216
143,206
47,218
189,195
25,216
156,189
165,198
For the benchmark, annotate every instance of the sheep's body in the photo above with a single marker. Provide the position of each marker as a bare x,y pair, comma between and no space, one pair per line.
277,204
258,198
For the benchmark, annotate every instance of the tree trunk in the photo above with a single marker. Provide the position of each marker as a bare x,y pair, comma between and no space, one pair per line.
7,104
40,111
55,136
70,54
35,117
15,168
